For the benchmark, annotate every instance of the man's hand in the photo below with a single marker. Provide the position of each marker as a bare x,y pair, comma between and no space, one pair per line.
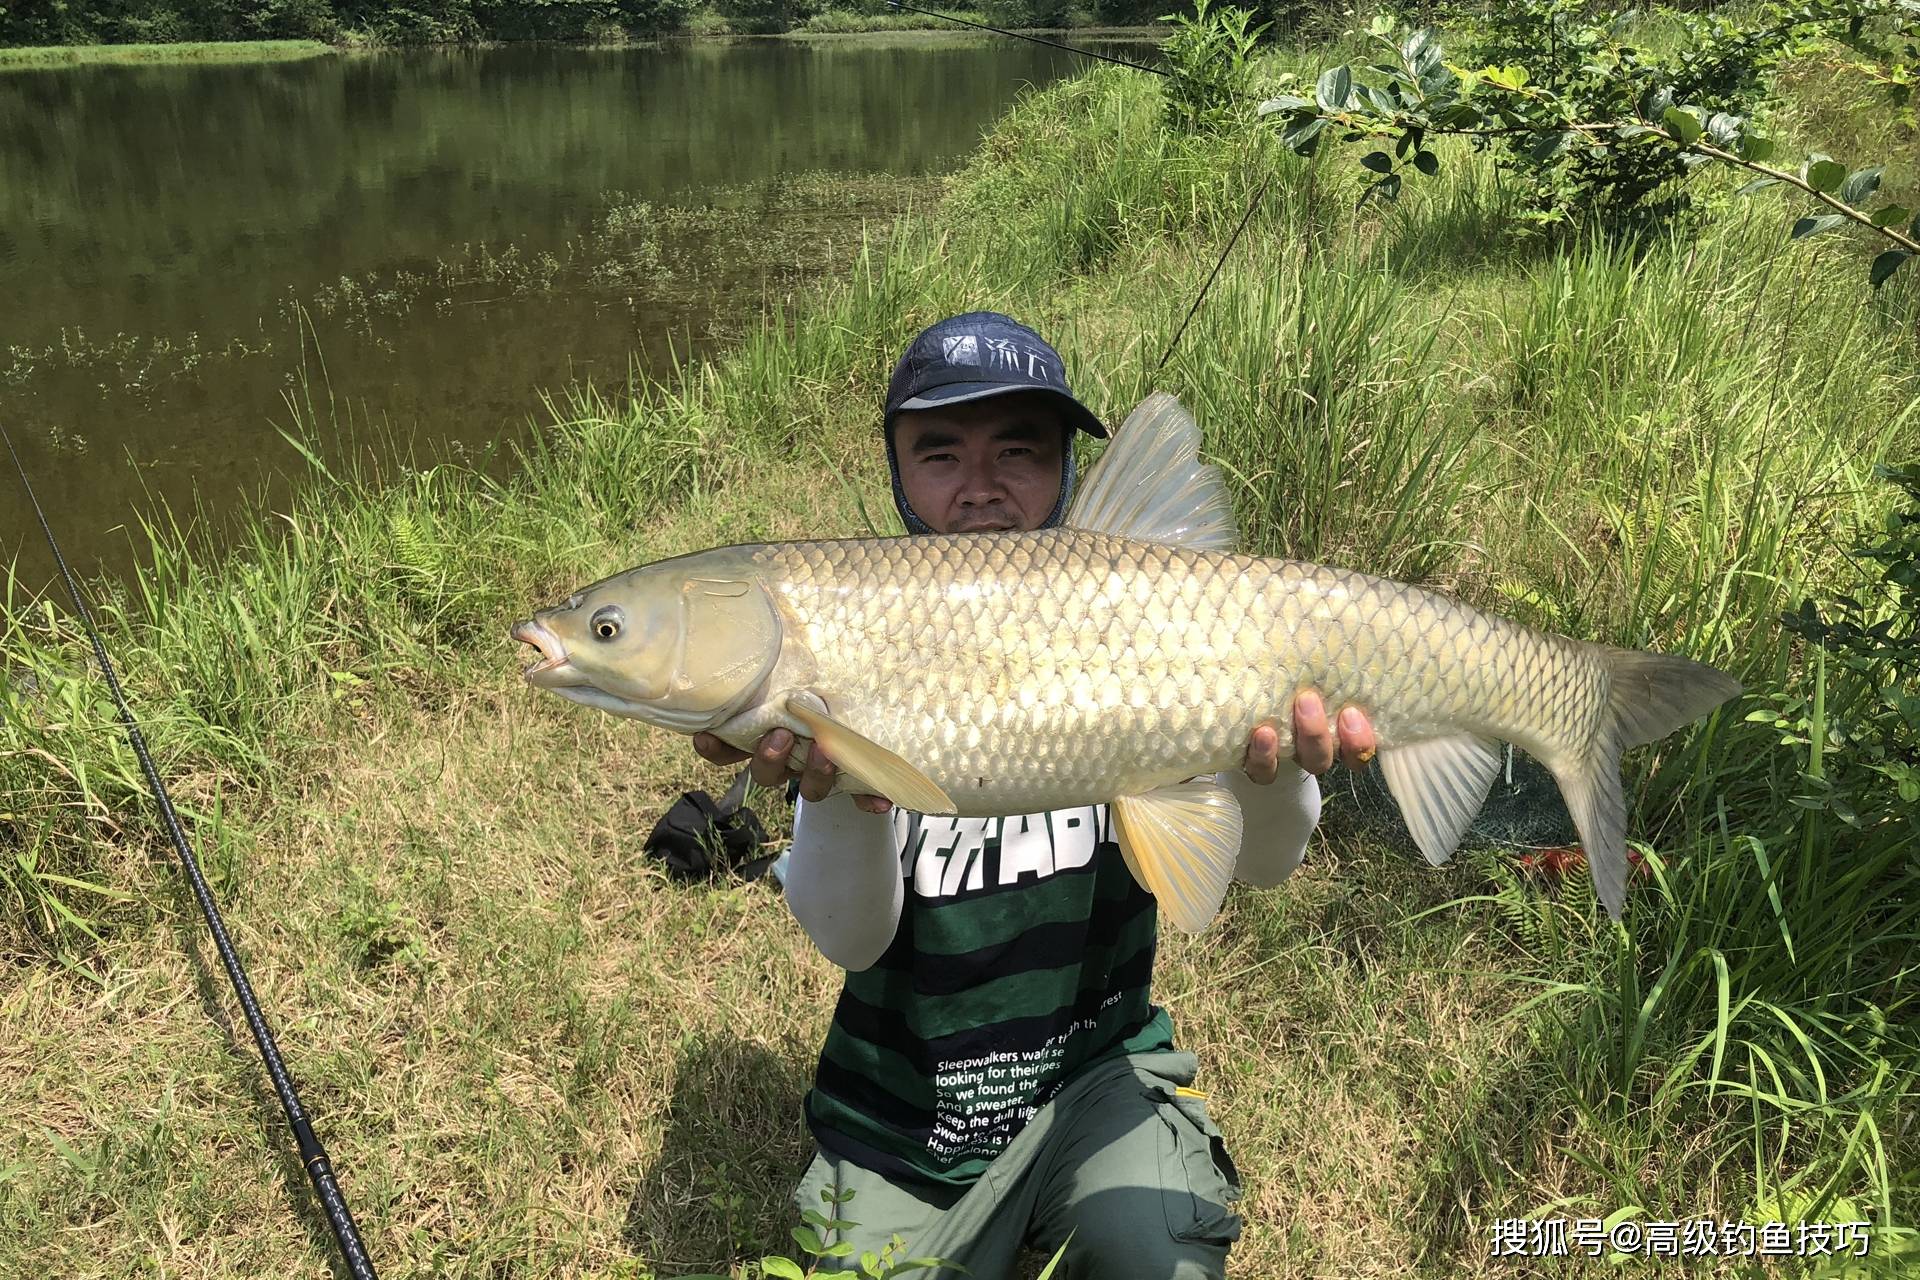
1314,740
769,767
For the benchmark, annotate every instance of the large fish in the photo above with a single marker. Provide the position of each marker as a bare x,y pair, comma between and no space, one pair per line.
1116,658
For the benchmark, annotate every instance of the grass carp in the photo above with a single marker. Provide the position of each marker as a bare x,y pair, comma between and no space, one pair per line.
1124,657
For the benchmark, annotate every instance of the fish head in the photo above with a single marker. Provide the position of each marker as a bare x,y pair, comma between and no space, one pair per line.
665,643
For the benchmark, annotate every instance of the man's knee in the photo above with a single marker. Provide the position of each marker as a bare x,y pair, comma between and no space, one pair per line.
1149,1233
1149,1192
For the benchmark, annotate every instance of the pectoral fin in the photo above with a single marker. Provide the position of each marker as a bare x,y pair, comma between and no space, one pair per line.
1180,843
872,764
1440,784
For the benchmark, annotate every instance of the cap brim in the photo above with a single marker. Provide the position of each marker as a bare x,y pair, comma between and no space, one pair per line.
1076,413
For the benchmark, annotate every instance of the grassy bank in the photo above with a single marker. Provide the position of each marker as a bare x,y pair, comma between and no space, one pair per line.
706,23
79,55
531,1054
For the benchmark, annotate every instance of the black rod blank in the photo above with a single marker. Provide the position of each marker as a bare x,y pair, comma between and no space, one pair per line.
312,1155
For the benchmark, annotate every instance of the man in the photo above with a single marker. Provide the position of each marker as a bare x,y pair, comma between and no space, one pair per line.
995,1073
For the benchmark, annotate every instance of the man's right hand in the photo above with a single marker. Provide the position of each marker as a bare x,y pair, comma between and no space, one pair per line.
769,767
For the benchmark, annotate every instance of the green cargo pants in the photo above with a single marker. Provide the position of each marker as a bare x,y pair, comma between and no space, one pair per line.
1125,1157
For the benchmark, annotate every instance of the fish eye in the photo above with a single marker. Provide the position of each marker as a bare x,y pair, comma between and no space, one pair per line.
608,621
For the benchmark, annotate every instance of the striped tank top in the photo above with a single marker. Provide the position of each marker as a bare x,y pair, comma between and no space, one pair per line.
1024,953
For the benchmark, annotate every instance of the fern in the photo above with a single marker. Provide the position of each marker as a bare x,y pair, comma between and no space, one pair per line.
416,553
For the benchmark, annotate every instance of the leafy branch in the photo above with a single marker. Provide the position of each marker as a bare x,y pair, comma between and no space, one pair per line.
1605,107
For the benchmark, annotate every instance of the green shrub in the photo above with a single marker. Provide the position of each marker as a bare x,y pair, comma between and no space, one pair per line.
1209,83
763,17
1051,14
1601,70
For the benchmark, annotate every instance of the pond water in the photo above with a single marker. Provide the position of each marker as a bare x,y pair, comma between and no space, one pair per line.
422,243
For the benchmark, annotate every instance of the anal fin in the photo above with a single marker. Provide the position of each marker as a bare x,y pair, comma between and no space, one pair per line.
871,763
1439,784
1181,843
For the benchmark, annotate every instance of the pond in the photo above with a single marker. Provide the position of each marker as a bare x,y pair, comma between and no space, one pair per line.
398,254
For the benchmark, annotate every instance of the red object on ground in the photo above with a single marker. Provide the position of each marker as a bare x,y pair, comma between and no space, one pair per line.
1557,861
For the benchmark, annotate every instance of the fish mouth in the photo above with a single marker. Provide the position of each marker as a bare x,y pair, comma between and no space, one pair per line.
553,654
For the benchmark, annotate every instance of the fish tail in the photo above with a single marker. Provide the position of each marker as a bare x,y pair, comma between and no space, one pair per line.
1649,695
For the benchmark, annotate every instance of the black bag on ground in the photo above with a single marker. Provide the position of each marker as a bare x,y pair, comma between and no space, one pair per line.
699,836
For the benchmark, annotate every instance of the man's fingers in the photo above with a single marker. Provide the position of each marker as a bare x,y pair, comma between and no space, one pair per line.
873,804
1357,744
1263,754
769,767
1312,736
714,751
817,779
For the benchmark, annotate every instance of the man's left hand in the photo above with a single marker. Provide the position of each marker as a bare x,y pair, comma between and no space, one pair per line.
1315,740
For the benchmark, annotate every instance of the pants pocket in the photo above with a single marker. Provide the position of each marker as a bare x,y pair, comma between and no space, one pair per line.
1194,1160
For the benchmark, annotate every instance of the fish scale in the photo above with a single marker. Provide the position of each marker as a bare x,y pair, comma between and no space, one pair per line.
1153,662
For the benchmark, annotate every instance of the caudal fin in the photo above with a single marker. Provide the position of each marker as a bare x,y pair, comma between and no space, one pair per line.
1649,695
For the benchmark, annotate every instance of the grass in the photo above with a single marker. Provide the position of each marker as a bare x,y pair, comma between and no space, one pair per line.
532,1054
28,57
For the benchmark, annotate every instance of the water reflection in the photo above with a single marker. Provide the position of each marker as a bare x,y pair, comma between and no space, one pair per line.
158,223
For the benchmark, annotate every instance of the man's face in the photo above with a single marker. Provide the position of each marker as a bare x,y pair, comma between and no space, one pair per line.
984,465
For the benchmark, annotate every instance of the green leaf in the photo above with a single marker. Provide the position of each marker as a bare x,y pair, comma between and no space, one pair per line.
1335,88
1887,215
1058,1254
808,1239
1885,265
1758,184
1860,184
1683,125
1547,146
1304,136
1505,77
784,1268
1754,147
1814,226
1285,102
1724,129
1825,176
1378,161
1426,162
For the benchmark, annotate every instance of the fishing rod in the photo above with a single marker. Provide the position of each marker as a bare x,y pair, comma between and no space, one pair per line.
312,1155
1022,35
1258,195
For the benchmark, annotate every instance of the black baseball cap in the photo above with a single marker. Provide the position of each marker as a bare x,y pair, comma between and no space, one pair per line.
978,355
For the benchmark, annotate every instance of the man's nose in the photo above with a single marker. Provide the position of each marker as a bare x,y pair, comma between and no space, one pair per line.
982,489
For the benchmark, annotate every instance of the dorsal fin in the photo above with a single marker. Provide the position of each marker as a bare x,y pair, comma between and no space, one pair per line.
1150,484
